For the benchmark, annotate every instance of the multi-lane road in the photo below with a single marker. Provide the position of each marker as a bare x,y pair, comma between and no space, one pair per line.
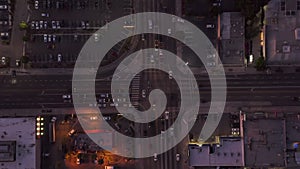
46,91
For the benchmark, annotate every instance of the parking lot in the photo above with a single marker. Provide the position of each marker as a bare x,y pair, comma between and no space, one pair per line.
59,29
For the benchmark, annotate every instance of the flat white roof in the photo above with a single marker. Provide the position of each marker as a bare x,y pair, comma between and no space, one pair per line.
230,153
21,130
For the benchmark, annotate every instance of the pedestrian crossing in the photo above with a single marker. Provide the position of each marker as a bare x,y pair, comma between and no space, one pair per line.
135,91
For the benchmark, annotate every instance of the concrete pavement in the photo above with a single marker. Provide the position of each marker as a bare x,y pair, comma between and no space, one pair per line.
15,49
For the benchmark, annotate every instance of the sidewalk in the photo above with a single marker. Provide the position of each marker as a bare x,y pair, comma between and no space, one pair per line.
15,49
202,70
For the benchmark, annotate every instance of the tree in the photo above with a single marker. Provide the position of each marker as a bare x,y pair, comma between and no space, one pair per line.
23,25
25,38
24,59
260,63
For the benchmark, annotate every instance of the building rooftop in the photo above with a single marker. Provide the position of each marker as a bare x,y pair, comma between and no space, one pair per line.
230,153
17,146
264,142
282,32
232,38
222,149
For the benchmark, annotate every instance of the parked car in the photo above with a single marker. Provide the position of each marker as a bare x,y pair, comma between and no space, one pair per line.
96,37
167,115
37,25
210,26
41,24
211,56
155,157
45,24
53,38
49,38
144,93
32,25
3,7
53,23
45,38
57,24
45,14
211,64
177,157
36,4
66,96
170,74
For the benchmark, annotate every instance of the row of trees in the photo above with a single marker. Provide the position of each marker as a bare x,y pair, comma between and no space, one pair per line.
254,14
24,27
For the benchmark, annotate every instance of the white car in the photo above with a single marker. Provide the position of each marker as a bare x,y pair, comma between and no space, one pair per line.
96,37
155,157
18,62
71,132
59,57
45,15
49,38
3,6
53,119
45,38
41,24
151,58
170,74
3,59
160,53
177,157
66,96
36,4
114,105
167,115
93,118
144,93
169,31
37,25
45,24
171,131
106,118
210,26
211,56
180,20
211,64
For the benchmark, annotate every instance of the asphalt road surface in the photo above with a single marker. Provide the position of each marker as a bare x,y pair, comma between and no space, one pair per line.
34,91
